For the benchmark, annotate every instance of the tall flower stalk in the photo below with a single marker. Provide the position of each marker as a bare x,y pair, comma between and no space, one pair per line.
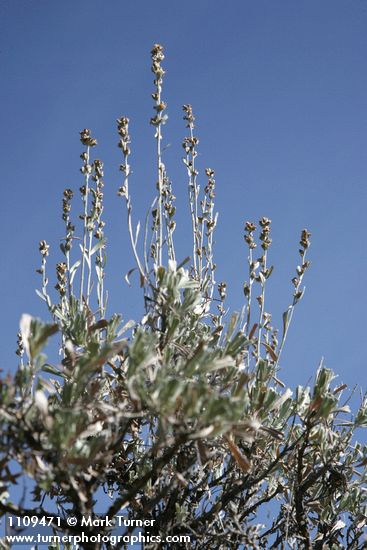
210,220
86,169
69,233
125,168
203,219
44,251
97,226
298,289
262,277
189,145
157,121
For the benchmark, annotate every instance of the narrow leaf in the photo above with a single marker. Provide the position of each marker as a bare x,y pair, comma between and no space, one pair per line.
253,330
270,351
242,461
128,274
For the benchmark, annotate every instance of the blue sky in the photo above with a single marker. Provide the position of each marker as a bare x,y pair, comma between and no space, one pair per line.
279,90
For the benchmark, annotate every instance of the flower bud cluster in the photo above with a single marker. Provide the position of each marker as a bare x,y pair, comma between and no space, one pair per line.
86,138
218,320
208,204
98,170
168,203
155,219
66,206
125,140
20,345
250,227
157,57
265,233
266,320
86,168
274,339
97,200
209,189
189,116
222,290
189,144
305,241
70,228
44,248
160,106
61,270
123,144
301,269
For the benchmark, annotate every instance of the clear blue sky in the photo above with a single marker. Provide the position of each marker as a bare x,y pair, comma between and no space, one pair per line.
279,89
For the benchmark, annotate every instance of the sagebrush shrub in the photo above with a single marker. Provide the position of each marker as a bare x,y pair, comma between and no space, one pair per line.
181,417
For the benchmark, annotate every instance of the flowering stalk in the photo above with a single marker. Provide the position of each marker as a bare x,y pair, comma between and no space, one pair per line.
123,144
211,221
263,275
189,145
61,285
157,121
69,227
20,349
86,169
44,250
88,253
98,225
250,227
222,291
298,291
168,212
